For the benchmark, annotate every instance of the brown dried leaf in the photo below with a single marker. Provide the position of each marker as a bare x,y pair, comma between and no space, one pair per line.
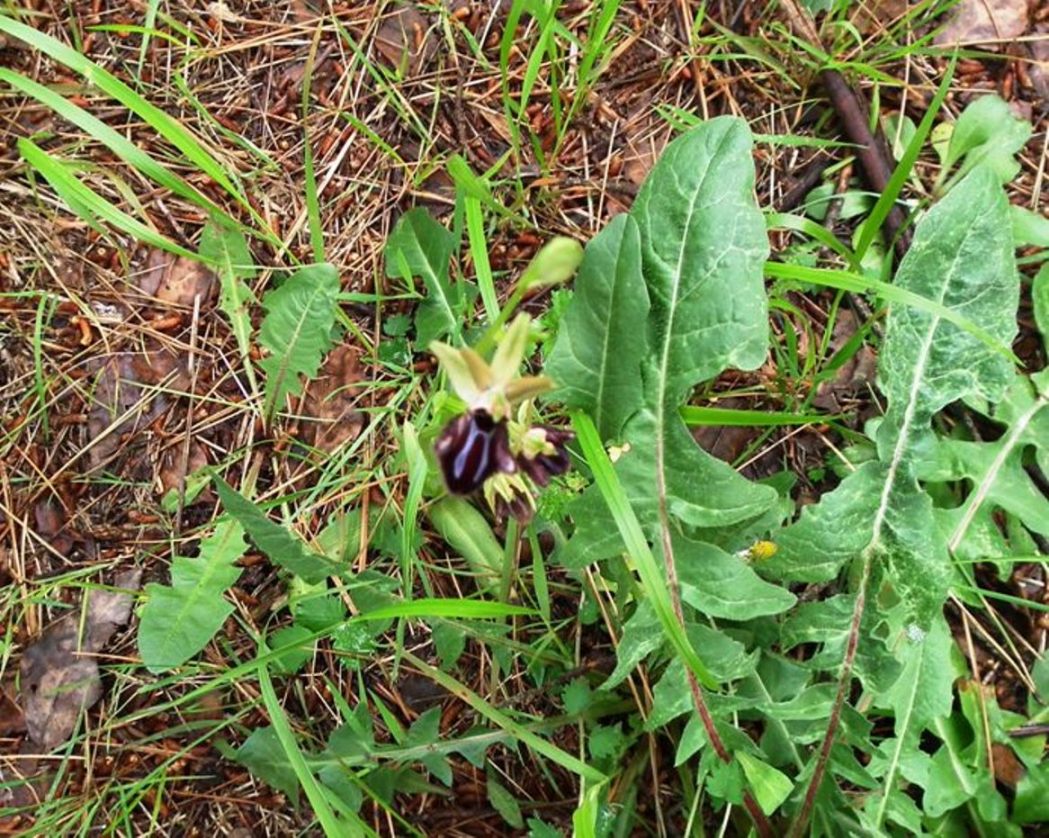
50,520
1038,70
854,376
176,280
1008,770
984,22
12,720
59,675
160,364
402,40
171,474
330,415
116,408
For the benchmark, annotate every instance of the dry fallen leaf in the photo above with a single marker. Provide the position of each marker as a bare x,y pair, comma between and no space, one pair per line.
12,720
854,376
1008,770
176,280
984,22
50,520
402,40
118,407
330,410
59,675
172,473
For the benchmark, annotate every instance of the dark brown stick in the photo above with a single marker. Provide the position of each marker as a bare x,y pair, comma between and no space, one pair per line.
872,151
804,184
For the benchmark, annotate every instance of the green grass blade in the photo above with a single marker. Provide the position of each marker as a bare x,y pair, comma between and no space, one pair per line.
903,169
698,416
88,204
109,84
318,800
479,254
113,140
847,281
787,221
652,578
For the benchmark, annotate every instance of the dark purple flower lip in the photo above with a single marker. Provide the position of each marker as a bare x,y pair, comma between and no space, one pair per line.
471,449
476,450
550,462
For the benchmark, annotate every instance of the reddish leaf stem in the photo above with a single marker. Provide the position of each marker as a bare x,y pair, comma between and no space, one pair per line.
761,823
844,682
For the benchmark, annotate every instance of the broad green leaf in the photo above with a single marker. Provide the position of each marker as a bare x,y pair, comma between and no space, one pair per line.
596,360
641,636
425,732
275,541
770,786
996,469
988,132
296,331
805,552
725,658
226,249
291,661
961,257
264,757
653,578
541,829
1029,228
950,782
1032,796
721,585
703,246
605,741
701,491
420,247
577,696
923,693
466,530
450,642
178,620
504,803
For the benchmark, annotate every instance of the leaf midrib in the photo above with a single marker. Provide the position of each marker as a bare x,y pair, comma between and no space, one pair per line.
979,494
287,355
895,761
434,283
903,438
599,407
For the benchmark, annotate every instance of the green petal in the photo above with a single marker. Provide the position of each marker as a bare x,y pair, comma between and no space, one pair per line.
508,357
528,387
457,369
554,264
